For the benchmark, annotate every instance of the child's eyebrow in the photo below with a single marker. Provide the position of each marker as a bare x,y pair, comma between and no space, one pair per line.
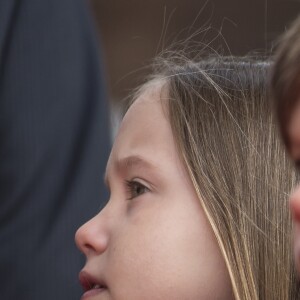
133,161
129,162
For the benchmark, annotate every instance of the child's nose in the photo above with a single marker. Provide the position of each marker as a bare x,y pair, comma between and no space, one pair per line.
92,237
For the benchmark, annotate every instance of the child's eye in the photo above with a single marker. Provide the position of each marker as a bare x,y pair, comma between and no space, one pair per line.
135,189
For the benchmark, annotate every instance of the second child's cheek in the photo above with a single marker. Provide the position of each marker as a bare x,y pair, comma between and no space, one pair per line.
295,204
297,246
295,211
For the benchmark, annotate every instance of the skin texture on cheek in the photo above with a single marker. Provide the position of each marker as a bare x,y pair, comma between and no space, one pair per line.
162,259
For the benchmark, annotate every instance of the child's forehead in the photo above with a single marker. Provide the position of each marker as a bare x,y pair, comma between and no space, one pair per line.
147,114
152,89
151,97
145,130
148,105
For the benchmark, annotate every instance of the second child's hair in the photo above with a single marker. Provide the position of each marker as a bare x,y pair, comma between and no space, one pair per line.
285,80
227,138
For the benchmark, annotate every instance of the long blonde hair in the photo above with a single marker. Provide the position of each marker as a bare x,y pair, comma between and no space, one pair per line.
223,125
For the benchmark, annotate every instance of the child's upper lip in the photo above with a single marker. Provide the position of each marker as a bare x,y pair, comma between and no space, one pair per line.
88,281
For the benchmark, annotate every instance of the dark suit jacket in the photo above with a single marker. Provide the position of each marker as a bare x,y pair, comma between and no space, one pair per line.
53,145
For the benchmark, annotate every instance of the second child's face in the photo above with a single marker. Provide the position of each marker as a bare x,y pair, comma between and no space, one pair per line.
152,240
293,131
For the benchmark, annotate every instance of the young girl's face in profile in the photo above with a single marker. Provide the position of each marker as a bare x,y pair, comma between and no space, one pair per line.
152,240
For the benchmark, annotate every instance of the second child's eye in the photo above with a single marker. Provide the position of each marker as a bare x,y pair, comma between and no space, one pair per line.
135,189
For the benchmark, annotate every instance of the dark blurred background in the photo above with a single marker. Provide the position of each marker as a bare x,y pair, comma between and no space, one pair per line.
130,30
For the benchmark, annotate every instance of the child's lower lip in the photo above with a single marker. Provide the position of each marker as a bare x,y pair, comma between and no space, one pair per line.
92,292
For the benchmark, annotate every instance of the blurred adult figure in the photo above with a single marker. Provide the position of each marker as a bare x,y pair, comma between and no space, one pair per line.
54,144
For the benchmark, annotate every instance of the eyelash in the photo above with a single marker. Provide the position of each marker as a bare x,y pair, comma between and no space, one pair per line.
132,186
